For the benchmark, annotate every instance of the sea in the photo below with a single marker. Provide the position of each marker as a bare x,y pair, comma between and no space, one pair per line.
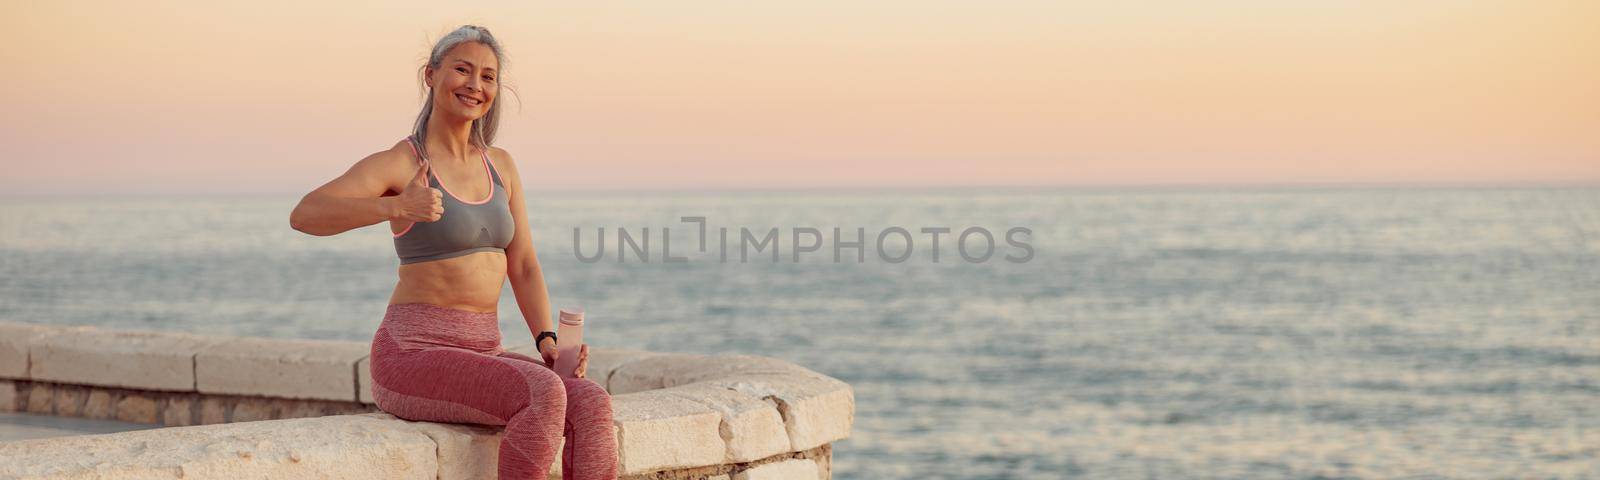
1138,332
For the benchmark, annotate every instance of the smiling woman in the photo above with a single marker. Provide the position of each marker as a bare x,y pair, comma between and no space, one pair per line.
437,354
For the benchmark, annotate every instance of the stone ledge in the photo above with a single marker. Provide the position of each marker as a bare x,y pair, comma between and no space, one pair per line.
664,370
375,445
313,369
673,412
335,447
15,341
128,359
659,431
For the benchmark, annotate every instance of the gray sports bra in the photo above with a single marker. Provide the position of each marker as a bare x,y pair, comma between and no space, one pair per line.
464,227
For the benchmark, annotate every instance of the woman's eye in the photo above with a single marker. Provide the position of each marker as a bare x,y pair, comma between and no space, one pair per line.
489,78
461,69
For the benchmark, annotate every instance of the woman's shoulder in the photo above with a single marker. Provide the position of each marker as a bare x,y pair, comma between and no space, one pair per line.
502,159
394,166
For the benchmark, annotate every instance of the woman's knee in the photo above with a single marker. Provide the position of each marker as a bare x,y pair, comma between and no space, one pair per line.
545,387
589,395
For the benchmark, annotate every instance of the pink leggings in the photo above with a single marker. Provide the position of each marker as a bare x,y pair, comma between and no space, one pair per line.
440,364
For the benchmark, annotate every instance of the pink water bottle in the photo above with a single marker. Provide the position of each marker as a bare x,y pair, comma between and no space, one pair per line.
569,337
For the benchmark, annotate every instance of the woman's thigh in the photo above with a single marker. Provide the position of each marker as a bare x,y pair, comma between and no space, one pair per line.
459,386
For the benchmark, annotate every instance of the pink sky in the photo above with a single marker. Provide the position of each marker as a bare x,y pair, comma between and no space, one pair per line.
279,97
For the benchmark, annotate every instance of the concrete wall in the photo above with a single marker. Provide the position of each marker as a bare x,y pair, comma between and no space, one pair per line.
677,415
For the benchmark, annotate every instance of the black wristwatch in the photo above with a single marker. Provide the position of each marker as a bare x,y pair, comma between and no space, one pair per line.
540,339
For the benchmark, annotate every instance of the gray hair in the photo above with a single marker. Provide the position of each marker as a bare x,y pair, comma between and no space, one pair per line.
483,129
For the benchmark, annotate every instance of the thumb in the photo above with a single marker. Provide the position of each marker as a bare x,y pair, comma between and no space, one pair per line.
421,178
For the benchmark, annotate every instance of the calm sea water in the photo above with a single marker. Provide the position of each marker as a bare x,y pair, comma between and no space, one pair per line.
1155,333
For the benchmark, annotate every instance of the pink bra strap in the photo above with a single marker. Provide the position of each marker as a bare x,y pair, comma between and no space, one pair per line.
492,170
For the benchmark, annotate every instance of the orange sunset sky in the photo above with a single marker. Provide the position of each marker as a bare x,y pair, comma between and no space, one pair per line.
278,97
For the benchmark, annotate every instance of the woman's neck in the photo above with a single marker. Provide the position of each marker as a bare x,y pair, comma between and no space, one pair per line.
448,139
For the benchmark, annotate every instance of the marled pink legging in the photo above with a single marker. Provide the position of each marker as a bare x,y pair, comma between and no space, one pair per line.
440,364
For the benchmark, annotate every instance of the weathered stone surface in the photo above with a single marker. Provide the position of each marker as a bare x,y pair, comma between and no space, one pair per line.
136,408
179,411
68,400
657,431
40,399
337,447
213,410
15,339
816,410
305,408
99,405
792,469
647,373
751,426
671,370
8,396
603,362
253,409
130,359
364,380
466,452
319,369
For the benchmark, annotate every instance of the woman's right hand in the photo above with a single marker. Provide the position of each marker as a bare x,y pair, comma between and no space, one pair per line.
549,354
418,202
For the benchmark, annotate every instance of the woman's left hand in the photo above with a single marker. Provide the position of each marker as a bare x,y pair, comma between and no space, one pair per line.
583,361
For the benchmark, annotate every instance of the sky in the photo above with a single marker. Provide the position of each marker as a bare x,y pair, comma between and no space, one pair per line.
280,97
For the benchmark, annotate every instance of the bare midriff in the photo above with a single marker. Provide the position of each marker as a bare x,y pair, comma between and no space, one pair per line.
469,282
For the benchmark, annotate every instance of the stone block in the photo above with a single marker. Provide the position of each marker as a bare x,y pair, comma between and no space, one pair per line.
791,469
647,373
658,431
336,447
254,410
69,399
15,339
179,410
40,399
605,361
100,405
671,370
8,396
465,451
315,369
816,410
128,359
304,408
214,410
364,380
136,408
751,426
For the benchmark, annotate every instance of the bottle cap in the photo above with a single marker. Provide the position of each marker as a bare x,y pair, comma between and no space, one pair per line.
572,316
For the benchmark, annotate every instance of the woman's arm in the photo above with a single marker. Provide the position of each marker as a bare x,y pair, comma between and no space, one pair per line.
522,263
355,200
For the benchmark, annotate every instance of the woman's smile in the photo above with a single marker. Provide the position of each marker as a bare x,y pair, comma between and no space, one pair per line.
469,101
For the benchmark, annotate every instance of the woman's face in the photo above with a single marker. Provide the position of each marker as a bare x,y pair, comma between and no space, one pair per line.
465,83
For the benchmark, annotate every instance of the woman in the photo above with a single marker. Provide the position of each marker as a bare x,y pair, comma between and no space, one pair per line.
437,354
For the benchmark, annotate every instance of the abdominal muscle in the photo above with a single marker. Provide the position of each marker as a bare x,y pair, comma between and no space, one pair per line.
469,282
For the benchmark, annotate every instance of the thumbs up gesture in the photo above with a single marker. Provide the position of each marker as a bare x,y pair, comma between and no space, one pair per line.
419,202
